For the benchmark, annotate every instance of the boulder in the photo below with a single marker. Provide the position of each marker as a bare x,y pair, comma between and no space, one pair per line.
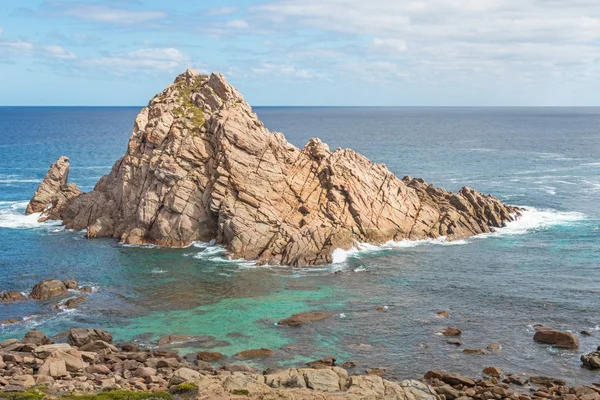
54,194
9,321
451,332
475,351
12,296
494,347
209,356
36,338
322,363
175,339
98,345
287,378
167,363
255,353
71,284
200,165
183,375
556,338
75,301
81,336
454,379
54,366
72,359
47,289
442,314
45,350
492,371
324,380
239,368
591,360
305,318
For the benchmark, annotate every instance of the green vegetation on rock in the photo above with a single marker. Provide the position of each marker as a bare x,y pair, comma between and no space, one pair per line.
123,395
187,106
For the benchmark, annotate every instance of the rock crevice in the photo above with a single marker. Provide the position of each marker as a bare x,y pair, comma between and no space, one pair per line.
201,166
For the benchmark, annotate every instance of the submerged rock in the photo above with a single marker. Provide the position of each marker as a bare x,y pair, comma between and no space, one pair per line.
305,318
54,194
201,166
255,353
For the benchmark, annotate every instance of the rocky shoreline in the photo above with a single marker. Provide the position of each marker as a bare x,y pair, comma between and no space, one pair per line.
85,360
88,362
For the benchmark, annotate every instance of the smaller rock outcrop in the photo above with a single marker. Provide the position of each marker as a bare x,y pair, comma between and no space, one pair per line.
75,301
47,289
451,332
53,195
591,360
255,353
305,318
81,336
556,338
12,296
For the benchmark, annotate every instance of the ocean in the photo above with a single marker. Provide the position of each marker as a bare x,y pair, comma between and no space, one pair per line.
541,269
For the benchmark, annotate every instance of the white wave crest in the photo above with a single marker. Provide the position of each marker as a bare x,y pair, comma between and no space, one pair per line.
534,219
12,216
20,180
531,220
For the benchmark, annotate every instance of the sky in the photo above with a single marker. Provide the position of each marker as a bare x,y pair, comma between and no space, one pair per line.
304,52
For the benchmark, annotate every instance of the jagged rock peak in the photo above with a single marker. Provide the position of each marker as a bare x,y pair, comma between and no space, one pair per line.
53,194
201,166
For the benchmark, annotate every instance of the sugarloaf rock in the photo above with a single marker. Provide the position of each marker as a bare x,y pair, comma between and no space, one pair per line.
201,166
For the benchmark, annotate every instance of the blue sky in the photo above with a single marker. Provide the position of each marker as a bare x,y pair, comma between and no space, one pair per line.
304,52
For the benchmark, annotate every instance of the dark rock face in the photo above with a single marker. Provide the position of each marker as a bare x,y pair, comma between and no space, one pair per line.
200,165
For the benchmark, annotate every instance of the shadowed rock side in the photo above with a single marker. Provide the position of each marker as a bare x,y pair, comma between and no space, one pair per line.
201,166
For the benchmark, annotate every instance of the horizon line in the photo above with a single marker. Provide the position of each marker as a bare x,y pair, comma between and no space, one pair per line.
320,106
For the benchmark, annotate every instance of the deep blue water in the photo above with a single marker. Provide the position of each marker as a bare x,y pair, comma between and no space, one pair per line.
543,269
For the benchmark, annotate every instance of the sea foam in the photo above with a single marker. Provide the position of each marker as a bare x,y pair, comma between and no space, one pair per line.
531,220
12,216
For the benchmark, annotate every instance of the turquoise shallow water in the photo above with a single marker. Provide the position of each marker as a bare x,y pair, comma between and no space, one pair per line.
542,269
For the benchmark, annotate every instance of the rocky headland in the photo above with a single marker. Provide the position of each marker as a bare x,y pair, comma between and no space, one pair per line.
201,166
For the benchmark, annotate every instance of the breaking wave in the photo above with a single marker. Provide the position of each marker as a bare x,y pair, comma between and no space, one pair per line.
532,220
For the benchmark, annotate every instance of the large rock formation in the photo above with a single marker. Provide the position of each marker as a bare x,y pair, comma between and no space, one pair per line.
200,166
53,194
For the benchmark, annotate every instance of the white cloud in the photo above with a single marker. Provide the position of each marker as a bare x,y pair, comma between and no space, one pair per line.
397,45
104,14
21,48
221,11
283,70
489,36
153,60
237,24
